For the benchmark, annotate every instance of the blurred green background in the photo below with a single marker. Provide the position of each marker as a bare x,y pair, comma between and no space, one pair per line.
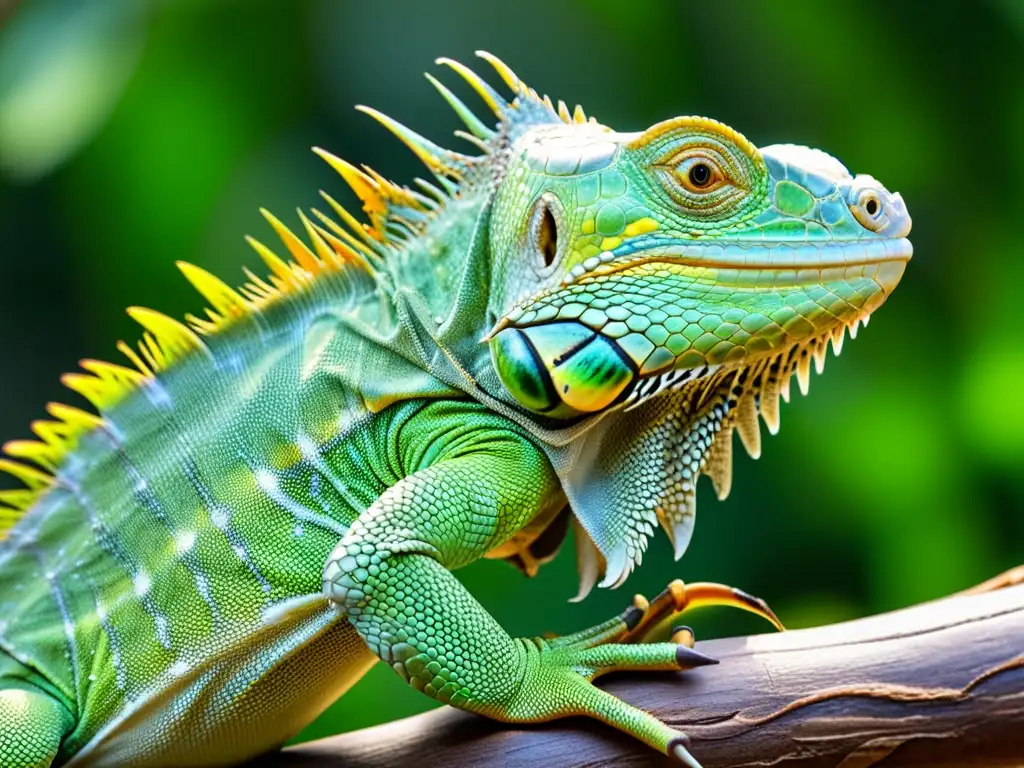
133,134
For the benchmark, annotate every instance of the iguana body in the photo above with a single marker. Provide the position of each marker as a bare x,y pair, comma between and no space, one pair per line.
274,498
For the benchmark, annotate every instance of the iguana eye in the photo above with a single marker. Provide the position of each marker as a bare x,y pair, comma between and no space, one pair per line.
698,174
707,177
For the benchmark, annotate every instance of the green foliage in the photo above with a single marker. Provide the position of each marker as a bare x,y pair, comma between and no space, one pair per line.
898,479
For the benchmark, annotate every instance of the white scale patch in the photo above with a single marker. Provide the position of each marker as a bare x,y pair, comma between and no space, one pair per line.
115,651
568,150
269,483
266,480
142,583
161,630
157,395
220,517
184,541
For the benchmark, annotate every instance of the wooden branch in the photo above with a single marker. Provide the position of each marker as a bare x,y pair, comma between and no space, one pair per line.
939,685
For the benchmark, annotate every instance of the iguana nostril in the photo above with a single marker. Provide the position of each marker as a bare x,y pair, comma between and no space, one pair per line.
871,206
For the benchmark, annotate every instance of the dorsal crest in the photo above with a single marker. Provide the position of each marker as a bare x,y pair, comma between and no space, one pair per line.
333,242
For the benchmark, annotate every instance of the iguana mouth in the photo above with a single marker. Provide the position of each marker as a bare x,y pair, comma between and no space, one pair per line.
778,256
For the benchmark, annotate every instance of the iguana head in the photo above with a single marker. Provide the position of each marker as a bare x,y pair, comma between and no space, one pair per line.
628,264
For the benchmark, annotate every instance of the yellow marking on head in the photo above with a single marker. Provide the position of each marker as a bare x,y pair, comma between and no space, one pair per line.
640,227
697,124
587,227
610,243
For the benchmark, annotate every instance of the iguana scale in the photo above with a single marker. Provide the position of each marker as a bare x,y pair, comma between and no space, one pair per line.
563,327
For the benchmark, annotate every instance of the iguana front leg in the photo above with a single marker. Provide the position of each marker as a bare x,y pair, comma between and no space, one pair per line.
391,576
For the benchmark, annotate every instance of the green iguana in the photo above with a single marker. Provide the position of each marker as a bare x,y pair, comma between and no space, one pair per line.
563,327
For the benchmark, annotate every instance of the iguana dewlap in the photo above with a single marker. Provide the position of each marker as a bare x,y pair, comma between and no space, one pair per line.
563,326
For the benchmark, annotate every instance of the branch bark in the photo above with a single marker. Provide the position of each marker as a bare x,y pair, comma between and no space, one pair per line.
940,684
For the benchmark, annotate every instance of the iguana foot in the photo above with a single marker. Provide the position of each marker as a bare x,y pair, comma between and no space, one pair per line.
561,670
559,683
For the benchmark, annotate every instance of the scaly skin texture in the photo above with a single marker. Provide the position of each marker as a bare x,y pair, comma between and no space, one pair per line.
565,329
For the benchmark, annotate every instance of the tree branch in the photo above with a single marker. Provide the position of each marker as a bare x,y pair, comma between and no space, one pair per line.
939,685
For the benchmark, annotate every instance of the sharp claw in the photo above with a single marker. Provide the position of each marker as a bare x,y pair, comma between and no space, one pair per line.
678,597
688,658
678,749
760,607
704,593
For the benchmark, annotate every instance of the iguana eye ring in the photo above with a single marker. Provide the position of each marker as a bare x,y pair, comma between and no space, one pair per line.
711,174
870,210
